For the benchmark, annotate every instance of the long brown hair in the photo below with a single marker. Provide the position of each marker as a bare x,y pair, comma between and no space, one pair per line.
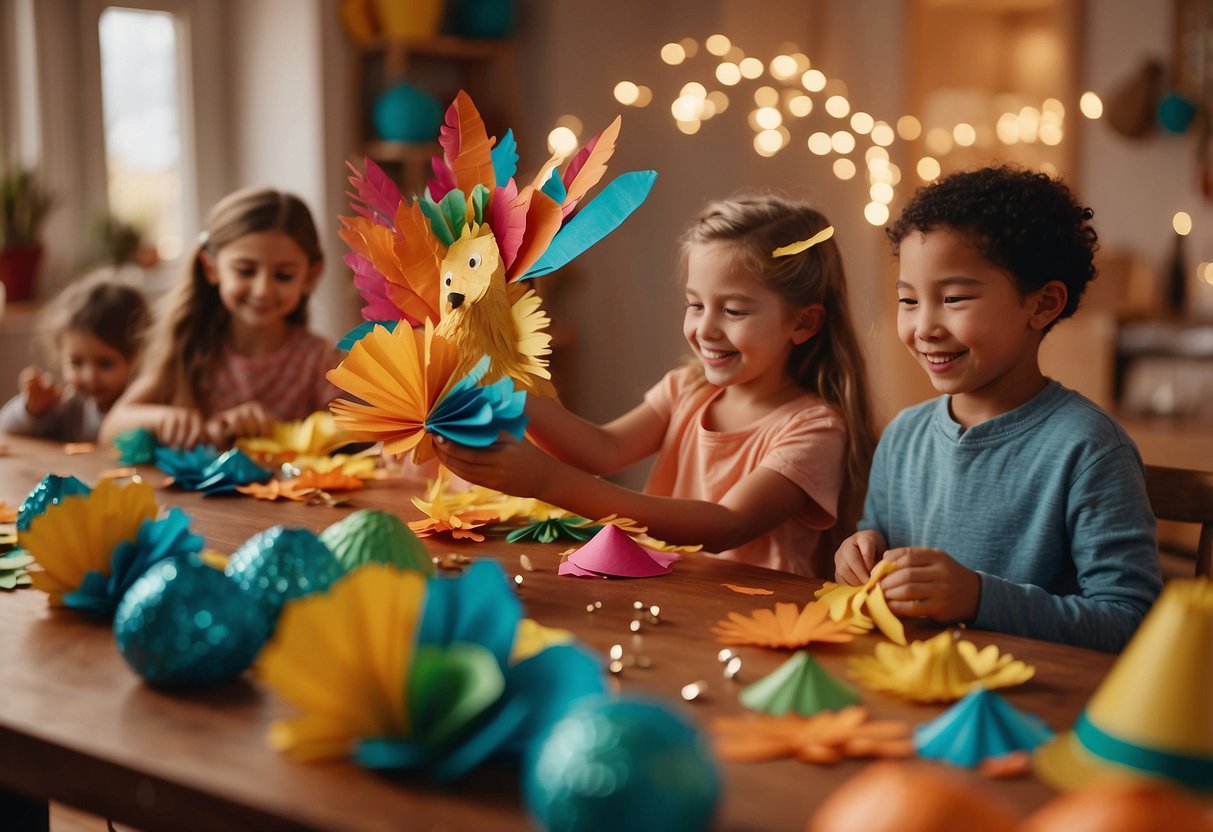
831,363
194,323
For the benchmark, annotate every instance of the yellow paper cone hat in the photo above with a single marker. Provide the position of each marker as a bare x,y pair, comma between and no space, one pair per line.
1153,714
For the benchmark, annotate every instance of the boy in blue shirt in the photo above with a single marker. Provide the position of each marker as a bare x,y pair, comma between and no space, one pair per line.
1009,503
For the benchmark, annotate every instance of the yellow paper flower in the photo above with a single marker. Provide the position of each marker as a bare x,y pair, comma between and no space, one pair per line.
940,669
78,534
316,435
343,658
864,606
784,626
443,516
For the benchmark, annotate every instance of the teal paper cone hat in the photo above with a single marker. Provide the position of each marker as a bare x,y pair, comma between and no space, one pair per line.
801,685
979,726
1153,714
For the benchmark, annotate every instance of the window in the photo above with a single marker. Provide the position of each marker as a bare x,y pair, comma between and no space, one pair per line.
142,113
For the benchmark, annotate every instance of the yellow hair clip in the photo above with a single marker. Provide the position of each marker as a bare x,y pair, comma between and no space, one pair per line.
804,245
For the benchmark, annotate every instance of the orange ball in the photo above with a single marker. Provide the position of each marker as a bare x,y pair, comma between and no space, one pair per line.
912,797
1122,806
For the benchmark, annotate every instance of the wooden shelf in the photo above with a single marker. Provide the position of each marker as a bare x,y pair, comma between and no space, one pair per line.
444,46
408,153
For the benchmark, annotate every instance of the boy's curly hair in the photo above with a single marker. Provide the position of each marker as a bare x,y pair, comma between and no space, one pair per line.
1025,222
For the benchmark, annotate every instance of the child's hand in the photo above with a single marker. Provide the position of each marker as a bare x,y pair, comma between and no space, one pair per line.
857,556
180,427
40,390
248,419
930,584
512,467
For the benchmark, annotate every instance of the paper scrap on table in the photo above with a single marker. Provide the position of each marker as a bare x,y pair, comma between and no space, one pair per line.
611,553
749,590
72,448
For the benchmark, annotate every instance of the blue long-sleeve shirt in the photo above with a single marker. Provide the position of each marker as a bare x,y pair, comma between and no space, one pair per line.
1047,503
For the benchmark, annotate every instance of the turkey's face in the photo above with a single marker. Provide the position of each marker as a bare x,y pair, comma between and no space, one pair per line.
468,270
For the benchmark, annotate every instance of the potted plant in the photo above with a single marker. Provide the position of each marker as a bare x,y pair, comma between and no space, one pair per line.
24,205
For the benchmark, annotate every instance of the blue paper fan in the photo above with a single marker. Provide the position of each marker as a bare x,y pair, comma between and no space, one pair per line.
231,469
476,415
979,726
186,466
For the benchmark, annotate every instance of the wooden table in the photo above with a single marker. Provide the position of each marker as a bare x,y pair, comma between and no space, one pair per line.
77,726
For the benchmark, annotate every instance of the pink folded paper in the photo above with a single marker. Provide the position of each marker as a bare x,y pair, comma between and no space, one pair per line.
612,554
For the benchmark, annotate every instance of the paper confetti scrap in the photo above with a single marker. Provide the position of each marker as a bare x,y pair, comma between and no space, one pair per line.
749,590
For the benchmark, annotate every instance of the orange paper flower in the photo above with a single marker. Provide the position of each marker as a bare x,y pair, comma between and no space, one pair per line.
784,626
825,738
303,487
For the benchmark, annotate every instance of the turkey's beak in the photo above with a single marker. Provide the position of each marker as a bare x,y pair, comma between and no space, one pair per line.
455,299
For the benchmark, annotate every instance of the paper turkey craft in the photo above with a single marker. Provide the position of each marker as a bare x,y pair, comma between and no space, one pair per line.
460,254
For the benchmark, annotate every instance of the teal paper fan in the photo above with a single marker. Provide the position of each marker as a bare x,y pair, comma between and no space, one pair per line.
979,726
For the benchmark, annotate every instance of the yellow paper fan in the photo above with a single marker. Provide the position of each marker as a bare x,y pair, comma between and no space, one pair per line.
864,606
343,658
316,435
784,626
400,375
78,534
940,669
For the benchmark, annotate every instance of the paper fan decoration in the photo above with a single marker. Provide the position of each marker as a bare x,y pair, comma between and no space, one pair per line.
50,490
78,535
228,472
406,380
784,626
799,685
979,727
408,674
941,669
825,738
362,466
459,255
314,436
864,606
186,465
611,553
100,592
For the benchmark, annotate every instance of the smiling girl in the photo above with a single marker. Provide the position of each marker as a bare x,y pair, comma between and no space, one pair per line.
763,445
233,351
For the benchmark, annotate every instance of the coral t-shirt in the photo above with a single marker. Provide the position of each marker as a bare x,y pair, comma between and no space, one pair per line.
803,440
289,382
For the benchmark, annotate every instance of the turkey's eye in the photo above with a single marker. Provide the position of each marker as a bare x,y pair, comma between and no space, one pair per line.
474,261
448,280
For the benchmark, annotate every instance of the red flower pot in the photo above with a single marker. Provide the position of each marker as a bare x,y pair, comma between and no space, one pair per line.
18,268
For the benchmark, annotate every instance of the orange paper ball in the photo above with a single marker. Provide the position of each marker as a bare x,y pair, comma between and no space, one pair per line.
907,797
1121,806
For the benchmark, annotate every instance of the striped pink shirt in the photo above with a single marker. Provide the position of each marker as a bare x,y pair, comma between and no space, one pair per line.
288,382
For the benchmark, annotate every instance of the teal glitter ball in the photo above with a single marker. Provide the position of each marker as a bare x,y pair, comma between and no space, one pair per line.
279,564
50,490
183,625
625,764
492,19
372,536
404,113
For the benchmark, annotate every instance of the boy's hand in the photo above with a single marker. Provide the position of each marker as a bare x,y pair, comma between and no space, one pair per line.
930,584
181,427
512,467
857,556
40,390
248,419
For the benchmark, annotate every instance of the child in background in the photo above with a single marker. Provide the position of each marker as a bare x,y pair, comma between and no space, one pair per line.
232,353
761,443
94,330
1009,503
